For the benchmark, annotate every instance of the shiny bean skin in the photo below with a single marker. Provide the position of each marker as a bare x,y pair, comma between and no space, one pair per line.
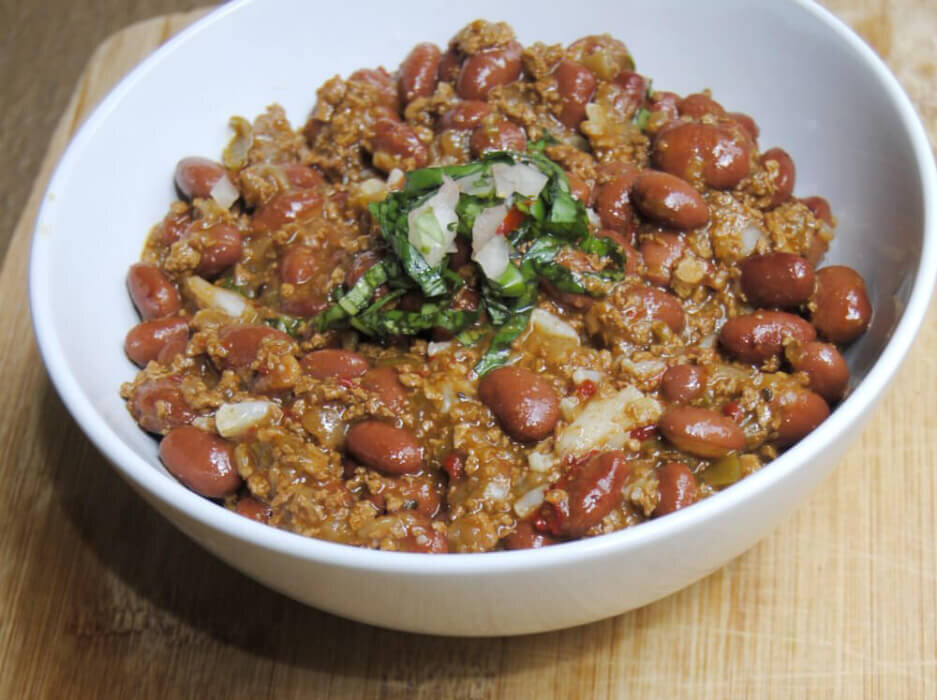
843,311
626,93
722,156
383,447
302,176
783,280
400,141
824,366
659,254
525,405
158,405
676,486
449,64
220,248
202,461
820,208
593,490
488,69
682,383
613,202
358,265
152,292
665,103
575,84
784,180
195,177
498,135
299,264
323,364
579,188
382,84
419,72
243,343
633,258
699,104
286,207
701,432
526,537
465,116
759,336
747,123
668,200
800,412
384,382
157,340
254,509
652,303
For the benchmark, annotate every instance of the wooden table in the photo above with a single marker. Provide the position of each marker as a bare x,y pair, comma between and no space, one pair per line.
100,597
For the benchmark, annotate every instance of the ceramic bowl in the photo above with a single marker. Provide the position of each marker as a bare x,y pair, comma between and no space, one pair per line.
813,86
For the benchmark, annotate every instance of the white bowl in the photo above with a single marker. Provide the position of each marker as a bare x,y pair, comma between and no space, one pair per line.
812,85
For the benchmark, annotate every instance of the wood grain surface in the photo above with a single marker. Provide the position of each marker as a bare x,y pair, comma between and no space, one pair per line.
101,598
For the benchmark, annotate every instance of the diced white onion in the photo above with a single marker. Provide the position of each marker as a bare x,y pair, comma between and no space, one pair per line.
372,190
395,179
708,341
224,192
498,488
486,225
432,225
235,419
587,375
548,324
493,257
478,184
540,462
529,502
208,296
606,422
523,179
433,349
569,405
593,218
751,234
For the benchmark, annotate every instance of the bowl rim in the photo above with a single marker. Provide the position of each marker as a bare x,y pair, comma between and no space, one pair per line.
141,474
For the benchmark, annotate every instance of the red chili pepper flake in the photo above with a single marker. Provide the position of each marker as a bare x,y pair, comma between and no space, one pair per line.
346,382
645,432
733,410
514,218
454,466
586,390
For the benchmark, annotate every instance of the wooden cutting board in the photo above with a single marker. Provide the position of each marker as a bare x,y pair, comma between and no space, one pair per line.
101,598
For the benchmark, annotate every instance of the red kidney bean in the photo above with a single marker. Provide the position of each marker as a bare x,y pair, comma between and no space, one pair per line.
652,303
465,116
498,135
359,264
676,486
820,208
158,405
381,82
665,102
632,256
383,447
824,366
579,188
613,202
525,405
299,264
701,432
323,364
747,123
195,177
400,141
286,207
221,247
570,300
160,340
720,154
593,491
698,105
667,199
659,254
778,279
202,461
449,64
800,412
606,56
242,344
784,180
419,72
627,93
384,382
174,226
152,292
682,383
526,537
488,69
843,311
575,84
254,509
302,176
761,335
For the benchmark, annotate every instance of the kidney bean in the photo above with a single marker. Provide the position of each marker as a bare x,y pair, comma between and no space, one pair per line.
158,405
676,487
243,343
203,462
488,69
359,264
465,116
682,383
720,155
613,202
195,177
667,199
384,382
286,207
526,537
525,404
498,135
603,55
174,226
761,335
419,72
152,292
323,364
778,279
747,123
665,102
784,180
160,339
659,254
843,311
800,412
400,141
302,176
820,208
575,84
254,509
627,93
824,366
570,300
579,188
299,264
652,303
382,84
700,431
383,447
221,247
632,256
698,105
593,491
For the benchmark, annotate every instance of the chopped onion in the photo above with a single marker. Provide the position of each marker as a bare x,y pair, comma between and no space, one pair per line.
751,235
529,502
486,225
494,256
498,488
432,225
208,296
478,184
234,419
594,219
569,407
395,179
540,462
523,179
548,324
433,349
606,422
587,375
224,192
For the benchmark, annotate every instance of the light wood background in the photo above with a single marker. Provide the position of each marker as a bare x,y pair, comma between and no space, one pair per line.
101,598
